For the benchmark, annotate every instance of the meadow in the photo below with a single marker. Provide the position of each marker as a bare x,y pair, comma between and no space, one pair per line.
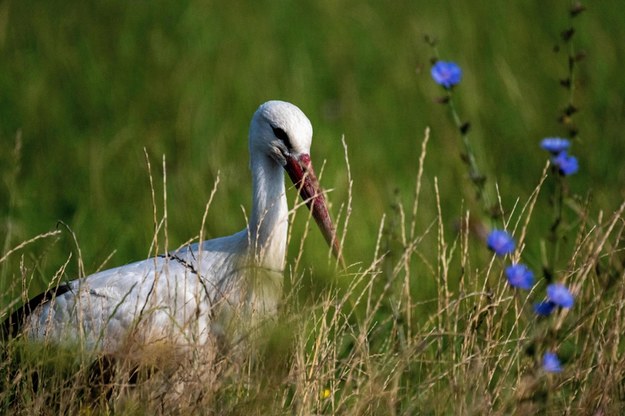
423,320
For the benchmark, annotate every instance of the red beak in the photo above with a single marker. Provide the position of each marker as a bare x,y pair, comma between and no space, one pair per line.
301,172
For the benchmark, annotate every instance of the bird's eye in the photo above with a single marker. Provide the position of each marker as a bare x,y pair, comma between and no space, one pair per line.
281,135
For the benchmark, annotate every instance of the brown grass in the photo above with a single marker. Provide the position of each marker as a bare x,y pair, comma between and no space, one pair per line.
371,343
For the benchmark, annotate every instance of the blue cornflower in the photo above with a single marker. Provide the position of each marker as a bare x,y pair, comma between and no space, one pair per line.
551,363
567,165
544,308
446,74
500,242
555,145
519,275
560,295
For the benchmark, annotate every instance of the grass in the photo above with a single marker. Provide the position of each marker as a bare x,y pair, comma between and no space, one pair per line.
364,347
423,321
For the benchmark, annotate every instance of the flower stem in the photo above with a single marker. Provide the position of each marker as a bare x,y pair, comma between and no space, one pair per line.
477,178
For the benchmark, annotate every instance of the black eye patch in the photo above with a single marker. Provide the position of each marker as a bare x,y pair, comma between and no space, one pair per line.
281,135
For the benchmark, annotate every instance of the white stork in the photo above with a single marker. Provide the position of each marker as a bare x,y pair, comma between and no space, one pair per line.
187,296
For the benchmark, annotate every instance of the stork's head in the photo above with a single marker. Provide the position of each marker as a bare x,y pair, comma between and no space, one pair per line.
279,128
283,132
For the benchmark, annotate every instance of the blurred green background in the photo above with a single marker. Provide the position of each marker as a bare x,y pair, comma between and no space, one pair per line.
86,86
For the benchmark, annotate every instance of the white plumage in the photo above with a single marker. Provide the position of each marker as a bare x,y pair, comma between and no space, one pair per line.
214,288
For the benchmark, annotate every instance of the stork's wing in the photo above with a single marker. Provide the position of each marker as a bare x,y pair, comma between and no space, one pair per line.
14,323
169,297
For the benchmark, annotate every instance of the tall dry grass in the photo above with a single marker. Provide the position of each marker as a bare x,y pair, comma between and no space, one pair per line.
368,342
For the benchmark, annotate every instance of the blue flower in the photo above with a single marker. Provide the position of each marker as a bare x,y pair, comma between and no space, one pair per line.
560,295
520,276
555,145
500,242
544,308
567,165
446,74
551,363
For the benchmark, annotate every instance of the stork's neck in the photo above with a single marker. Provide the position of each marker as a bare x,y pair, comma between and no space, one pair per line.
269,220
